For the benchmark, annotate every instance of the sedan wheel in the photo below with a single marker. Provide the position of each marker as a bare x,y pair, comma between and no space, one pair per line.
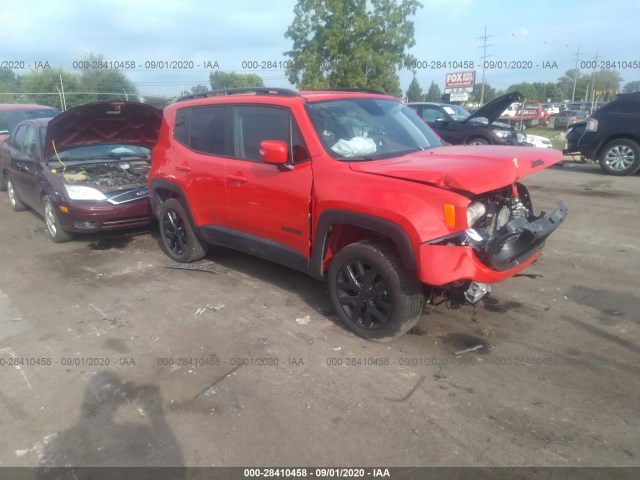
620,157
54,226
14,199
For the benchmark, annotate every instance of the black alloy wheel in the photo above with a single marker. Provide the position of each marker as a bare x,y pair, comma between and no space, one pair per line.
178,238
372,292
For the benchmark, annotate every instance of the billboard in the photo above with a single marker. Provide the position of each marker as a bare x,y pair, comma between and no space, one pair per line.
460,79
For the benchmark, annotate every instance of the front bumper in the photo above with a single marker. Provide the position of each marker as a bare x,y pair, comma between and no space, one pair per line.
488,260
101,216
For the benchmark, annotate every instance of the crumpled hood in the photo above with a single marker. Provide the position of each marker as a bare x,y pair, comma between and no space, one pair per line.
492,110
476,169
111,122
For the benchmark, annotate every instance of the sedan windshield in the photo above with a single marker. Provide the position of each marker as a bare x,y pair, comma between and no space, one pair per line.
369,129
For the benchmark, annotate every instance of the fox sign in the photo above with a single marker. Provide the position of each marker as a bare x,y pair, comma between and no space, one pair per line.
460,79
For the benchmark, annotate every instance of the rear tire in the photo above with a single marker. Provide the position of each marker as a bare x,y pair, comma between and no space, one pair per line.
178,238
54,226
14,198
3,182
620,157
372,292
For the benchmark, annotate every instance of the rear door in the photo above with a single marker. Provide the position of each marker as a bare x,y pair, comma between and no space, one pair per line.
203,138
269,205
23,171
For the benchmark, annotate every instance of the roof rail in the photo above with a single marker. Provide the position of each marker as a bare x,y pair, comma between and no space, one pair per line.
241,90
360,90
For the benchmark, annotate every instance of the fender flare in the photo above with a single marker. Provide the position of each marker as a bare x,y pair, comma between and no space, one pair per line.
385,227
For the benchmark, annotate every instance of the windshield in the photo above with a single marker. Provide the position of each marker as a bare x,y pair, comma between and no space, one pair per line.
10,118
101,152
456,112
369,128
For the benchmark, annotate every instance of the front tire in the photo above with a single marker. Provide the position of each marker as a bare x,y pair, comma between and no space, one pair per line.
477,141
178,238
372,292
54,227
14,198
620,157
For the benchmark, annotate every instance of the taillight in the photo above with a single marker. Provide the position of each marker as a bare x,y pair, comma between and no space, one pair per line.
592,125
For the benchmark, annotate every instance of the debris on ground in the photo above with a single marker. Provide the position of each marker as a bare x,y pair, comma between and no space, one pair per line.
336,349
303,320
209,267
406,397
467,350
203,309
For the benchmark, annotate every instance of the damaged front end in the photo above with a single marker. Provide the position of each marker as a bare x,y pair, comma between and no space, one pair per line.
503,230
117,181
502,238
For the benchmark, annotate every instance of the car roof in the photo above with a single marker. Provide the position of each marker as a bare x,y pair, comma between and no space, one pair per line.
272,96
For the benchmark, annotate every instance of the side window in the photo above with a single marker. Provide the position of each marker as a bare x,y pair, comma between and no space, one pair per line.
202,129
18,137
181,126
429,114
29,144
254,124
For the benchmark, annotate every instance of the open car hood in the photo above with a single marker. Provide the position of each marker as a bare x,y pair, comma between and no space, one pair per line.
476,169
111,122
492,110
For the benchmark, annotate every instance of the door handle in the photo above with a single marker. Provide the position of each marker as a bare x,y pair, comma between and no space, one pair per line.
184,167
239,178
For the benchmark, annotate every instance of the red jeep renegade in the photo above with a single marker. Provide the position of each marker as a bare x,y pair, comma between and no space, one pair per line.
348,186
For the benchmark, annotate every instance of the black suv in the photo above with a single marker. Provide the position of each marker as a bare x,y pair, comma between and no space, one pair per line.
459,127
610,136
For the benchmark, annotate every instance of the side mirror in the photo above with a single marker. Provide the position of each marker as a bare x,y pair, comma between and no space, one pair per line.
274,152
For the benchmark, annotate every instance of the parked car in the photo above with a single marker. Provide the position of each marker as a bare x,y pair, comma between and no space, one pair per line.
459,127
551,108
351,187
511,110
567,117
13,113
610,136
538,141
84,170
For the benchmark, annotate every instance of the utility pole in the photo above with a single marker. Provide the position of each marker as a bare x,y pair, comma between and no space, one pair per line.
593,80
575,75
484,57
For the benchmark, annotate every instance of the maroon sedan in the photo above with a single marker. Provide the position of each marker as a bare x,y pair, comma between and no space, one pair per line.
86,169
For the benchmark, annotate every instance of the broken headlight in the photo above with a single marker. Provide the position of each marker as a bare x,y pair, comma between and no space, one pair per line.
475,211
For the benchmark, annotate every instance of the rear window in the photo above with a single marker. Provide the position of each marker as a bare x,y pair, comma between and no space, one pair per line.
10,118
203,129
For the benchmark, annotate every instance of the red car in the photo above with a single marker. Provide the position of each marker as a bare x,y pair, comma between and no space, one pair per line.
84,170
351,187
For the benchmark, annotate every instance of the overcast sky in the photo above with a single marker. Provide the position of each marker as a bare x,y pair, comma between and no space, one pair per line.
60,32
